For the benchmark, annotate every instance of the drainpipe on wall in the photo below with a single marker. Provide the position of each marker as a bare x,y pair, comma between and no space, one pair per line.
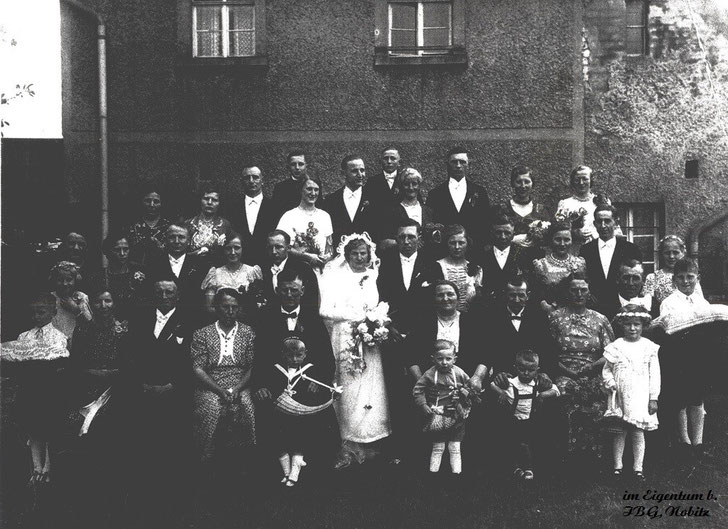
103,126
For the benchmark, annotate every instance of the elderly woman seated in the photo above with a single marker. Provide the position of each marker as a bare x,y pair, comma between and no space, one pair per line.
222,359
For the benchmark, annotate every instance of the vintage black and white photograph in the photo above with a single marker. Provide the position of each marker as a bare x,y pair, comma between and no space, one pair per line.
363,264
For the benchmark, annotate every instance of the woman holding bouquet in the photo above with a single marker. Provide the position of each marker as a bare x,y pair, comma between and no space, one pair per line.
310,228
580,204
208,230
357,324
521,207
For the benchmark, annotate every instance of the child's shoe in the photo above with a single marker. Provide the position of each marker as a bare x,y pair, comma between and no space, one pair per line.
528,475
639,476
519,474
617,474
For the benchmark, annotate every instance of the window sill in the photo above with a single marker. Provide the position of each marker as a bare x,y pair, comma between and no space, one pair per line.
207,63
450,57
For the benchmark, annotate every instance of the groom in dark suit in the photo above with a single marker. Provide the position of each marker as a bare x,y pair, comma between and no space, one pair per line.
403,276
604,255
255,218
350,206
460,201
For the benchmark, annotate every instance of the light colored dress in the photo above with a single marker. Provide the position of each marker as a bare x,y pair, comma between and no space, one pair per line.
239,279
362,410
466,282
659,286
549,271
210,234
634,370
570,204
299,222
65,320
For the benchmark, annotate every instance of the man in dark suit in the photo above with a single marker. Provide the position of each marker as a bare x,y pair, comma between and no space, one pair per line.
603,256
155,396
384,186
460,201
287,193
187,271
402,275
501,261
512,325
280,260
350,207
256,217
630,281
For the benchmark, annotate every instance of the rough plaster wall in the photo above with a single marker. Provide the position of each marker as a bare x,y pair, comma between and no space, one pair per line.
520,75
520,72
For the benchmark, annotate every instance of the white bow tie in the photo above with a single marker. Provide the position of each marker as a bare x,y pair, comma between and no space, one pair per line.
407,259
276,269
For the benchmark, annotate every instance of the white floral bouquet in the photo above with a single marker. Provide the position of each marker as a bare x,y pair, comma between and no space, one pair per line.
536,232
372,330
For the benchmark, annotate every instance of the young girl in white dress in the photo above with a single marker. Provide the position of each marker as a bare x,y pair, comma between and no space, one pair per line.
631,377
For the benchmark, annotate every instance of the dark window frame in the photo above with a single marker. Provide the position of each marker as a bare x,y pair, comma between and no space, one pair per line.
384,55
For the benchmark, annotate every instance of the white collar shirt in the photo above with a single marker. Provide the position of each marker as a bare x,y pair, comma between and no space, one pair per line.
227,343
522,209
644,301
351,201
606,252
414,212
408,267
458,190
177,263
275,270
501,256
162,320
449,330
291,317
516,319
389,177
252,208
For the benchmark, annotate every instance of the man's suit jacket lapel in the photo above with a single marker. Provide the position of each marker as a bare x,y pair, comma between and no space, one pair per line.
616,259
169,327
264,213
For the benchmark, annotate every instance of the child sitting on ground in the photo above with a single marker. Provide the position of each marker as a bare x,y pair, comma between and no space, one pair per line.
632,376
519,396
41,354
445,399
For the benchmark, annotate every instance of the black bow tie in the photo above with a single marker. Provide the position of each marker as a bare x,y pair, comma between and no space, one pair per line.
514,317
291,315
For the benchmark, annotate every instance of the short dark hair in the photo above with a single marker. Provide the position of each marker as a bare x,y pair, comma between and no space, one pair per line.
408,222
108,245
181,226
606,207
390,149
519,170
456,150
631,263
149,188
685,265
44,298
315,179
289,274
281,233
296,152
349,158
579,169
499,219
210,187
226,292
527,355
441,282
517,280
233,235
251,165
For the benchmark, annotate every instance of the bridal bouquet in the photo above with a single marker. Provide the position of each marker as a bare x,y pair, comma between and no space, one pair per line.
372,330
306,241
575,217
536,233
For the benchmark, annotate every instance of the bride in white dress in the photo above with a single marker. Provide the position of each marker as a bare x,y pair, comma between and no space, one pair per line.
348,290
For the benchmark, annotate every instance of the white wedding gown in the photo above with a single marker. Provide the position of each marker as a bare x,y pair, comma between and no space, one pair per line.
362,409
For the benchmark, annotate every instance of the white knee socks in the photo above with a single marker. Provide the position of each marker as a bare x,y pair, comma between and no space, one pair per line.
285,461
682,426
436,458
456,462
696,422
638,449
297,463
620,439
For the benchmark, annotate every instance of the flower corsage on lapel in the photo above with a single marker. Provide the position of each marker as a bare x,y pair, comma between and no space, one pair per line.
473,199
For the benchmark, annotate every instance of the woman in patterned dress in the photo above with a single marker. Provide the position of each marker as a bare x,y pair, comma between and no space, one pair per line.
233,274
659,285
558,264
467,276
146,236
222,359
581,335
96,355
208,230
